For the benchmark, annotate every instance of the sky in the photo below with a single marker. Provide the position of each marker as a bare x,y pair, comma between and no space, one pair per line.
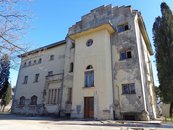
52,18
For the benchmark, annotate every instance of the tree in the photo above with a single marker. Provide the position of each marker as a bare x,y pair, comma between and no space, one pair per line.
14,18
7,96
4,73
163,42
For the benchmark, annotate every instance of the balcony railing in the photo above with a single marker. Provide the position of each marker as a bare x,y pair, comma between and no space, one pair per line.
54,77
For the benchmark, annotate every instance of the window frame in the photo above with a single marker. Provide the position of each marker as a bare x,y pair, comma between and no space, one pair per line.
130,88
36,77
25,79
88,75
123,27
89,42
124,54
52,57
33,100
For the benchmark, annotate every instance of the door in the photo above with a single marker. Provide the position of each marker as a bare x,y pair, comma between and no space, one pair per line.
88,107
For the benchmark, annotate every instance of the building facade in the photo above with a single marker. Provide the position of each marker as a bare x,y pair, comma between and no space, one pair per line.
102,70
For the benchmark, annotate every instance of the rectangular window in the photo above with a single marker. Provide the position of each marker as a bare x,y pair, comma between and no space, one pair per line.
51,57
49,96
55,94
36,77
122,28
25,80
58,96
89,78
126,54
69,100
128,88
50,73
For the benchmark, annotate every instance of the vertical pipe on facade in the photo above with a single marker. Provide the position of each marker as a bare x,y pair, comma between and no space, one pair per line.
62,83
112,64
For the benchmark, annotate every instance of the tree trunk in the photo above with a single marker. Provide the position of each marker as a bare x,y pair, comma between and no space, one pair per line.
3,108
171,110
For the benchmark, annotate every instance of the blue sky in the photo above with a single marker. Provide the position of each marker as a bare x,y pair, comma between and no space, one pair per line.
52,18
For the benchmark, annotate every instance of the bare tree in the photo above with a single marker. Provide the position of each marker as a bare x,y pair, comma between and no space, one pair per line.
13,23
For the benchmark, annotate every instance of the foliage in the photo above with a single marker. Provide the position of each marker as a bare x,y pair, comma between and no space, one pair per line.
14,18
163,42
4,73
7,96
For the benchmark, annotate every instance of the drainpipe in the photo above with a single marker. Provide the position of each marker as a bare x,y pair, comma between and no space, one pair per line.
113,94
61,95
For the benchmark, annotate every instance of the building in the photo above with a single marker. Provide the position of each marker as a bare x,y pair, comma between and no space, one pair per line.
102,70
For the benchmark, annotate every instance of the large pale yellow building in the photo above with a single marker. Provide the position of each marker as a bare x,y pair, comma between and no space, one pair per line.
102,70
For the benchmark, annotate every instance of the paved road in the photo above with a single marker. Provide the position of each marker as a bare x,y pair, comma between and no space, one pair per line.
13,122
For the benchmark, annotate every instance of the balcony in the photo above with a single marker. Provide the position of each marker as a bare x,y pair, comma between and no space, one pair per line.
54,77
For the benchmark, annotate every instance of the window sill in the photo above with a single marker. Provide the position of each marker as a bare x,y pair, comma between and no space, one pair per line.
128,93
88,87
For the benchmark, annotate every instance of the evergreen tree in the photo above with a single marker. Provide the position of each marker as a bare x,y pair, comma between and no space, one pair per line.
7,96
4,73
163,42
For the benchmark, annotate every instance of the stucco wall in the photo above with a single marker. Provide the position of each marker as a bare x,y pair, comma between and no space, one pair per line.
97,55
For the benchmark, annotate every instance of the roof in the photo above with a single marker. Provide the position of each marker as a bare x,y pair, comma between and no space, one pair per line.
43,48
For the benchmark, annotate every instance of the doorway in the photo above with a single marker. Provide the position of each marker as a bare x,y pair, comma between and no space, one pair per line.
88,107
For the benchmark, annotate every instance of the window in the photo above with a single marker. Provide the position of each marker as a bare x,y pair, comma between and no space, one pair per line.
53,96
35,62
72,45
69,99
51,57
24,65
126,54
50,73
22,101
89,76
128,88
25,80
40,60
33,100
89,42
122,28
71,67
29,63
36,77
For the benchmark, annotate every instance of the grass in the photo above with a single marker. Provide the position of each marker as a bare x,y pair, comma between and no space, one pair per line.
5,112
168,119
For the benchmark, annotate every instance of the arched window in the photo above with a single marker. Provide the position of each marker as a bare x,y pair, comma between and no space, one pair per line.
71,67
89,67
33,100
40,60
22,101
89,76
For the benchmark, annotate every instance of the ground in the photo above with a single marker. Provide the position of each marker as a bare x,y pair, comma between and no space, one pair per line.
9,122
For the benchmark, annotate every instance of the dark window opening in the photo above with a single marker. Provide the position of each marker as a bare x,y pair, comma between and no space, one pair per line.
89,42
25,80
36,77
22,101
125,55
51,57
71,67
122,28
128,88
40,60
33,100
